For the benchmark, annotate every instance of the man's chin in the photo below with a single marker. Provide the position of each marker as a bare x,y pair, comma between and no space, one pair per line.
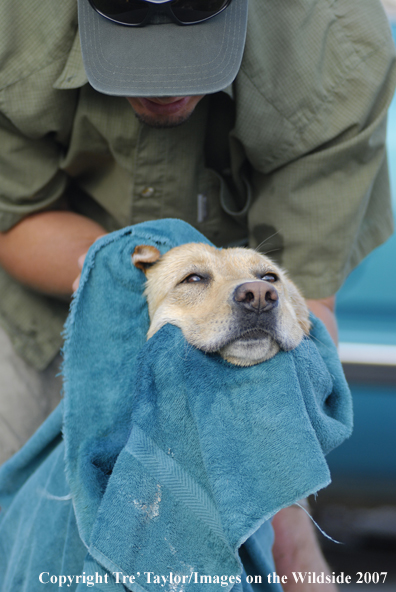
163,121
164,112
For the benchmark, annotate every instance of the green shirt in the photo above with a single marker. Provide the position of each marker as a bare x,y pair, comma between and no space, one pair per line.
290,159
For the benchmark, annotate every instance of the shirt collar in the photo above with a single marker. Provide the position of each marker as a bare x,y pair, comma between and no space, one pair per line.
229,91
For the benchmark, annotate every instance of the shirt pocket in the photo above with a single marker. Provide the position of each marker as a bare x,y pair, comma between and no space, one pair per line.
221,212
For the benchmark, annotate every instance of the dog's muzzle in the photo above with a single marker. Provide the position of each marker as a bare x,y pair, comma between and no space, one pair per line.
253,332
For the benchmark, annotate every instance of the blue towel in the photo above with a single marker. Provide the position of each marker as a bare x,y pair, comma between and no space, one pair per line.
171,459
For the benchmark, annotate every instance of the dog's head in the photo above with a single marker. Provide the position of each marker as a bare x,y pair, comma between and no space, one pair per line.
232,301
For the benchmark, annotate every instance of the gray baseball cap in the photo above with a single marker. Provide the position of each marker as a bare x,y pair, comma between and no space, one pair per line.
164,58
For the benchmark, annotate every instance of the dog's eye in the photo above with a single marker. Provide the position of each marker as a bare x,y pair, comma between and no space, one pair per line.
193,277
270,277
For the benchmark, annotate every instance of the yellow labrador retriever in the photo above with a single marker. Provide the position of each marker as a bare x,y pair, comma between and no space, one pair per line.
232,301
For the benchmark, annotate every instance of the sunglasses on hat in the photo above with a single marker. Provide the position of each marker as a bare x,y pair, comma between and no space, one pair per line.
137,13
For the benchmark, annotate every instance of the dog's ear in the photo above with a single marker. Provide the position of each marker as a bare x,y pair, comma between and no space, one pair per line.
145,255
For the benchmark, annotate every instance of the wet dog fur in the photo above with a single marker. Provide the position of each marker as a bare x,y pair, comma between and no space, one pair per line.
235,302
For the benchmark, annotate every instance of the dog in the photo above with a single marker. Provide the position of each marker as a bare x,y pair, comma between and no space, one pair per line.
235,302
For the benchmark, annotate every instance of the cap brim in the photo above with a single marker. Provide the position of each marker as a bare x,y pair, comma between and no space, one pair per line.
162,59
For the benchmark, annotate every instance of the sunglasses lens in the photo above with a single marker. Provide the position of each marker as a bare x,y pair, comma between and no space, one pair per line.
129,12
194,11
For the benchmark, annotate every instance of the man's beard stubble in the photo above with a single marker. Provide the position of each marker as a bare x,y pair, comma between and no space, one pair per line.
164,123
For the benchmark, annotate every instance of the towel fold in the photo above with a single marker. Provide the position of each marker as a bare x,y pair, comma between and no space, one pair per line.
173,458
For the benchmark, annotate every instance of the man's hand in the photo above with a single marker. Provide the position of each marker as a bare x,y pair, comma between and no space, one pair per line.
80,263
42,251
324,310
296,547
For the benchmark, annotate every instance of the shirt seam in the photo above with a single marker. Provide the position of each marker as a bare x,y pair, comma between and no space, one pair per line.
33,72
357,61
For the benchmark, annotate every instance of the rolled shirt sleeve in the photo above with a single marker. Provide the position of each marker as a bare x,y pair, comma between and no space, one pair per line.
319,172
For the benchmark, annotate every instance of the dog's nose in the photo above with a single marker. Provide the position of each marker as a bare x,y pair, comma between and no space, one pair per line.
257,296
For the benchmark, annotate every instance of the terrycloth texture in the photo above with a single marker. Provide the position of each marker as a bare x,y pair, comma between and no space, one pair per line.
173,457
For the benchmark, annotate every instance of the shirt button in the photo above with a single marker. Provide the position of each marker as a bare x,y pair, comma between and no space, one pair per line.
148,192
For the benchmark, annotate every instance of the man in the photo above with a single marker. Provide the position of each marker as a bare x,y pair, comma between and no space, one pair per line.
265,128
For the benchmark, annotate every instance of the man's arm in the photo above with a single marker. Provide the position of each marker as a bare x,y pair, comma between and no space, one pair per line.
324,310
296,547
42,250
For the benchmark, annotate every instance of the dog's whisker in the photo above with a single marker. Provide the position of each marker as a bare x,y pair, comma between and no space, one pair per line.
187,347
272,251
319,341
257,249
181,339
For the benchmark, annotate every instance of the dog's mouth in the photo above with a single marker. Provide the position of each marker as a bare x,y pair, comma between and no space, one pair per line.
238,336
249,341
250,347
252,335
